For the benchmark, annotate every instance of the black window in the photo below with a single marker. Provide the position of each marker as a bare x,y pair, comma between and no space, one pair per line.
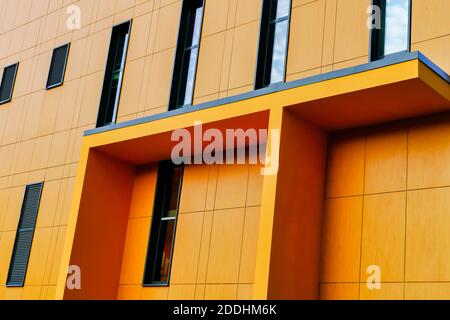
8,80
391,25
273,42
165,214
187,54
114,74
58,66
24,236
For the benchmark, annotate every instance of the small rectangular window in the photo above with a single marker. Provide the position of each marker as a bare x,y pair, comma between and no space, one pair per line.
391,24
58,66
187,54
115,68
24,236
273,42
7,85
165,215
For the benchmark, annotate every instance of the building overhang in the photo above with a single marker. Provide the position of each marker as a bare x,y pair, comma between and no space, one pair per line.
401,86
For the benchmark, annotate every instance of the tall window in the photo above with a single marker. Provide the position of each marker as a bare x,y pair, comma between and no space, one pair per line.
165,214
24,236
114,74
58,66
273,42
187,54
7,85
391,34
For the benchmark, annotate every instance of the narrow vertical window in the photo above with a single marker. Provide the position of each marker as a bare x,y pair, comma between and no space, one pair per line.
273,42
114,74
7,85
165,215
187,54
24,236
391,34
58,66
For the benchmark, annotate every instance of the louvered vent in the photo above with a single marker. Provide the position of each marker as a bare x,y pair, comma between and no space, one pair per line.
24,237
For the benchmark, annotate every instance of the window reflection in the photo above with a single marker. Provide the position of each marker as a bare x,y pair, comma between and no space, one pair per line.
186,59
273,42
397,23
279,52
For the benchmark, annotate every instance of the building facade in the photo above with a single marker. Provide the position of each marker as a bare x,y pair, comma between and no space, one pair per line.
350,198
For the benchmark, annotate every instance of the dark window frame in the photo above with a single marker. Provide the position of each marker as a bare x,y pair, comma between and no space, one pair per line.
161,202
180,70
266,44
10,284
16,65
104,107
378,36
63,75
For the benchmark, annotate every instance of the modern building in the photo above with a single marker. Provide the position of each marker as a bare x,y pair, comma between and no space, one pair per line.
349,200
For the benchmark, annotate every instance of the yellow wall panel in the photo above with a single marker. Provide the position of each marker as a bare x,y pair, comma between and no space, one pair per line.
429,154
187,249
243,61
139,37
57,255
245,292
215,18
232,186
7,247
430,19
38,256
255,183
210,65
225,247
306,37
249,245
48,205
427,291
247,11
31,293
221,292
181,292
346,167
160,79
13,208
341,240
352,34
427,239
386,155
195,181
383,236
130,98
204,247
166,36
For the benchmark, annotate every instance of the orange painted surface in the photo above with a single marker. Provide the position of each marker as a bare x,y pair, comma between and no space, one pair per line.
295,253
101,227
388,205
216,236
